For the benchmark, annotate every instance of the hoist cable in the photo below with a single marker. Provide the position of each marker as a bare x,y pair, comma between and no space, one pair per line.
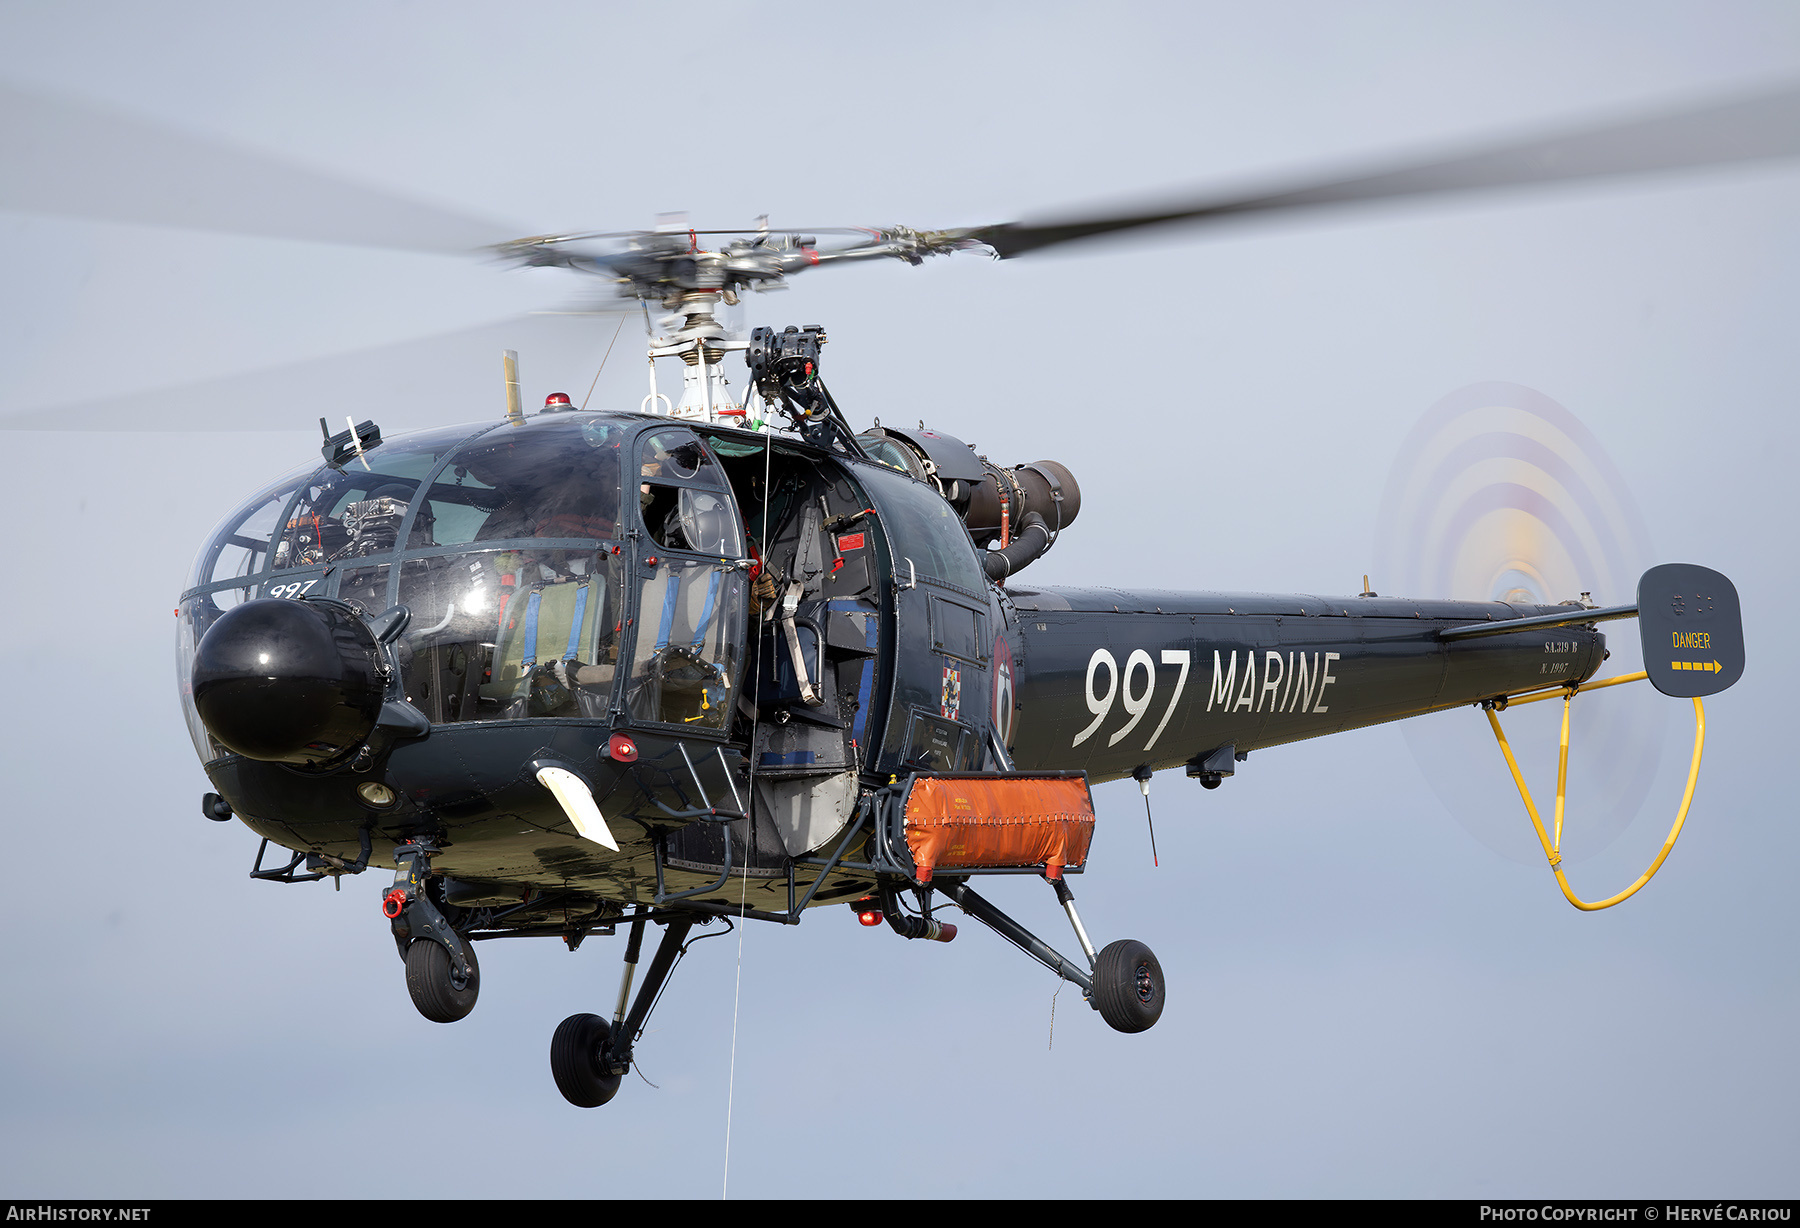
749,843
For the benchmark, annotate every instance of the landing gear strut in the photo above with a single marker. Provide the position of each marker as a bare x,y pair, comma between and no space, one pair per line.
1124,981
441,973
588,1056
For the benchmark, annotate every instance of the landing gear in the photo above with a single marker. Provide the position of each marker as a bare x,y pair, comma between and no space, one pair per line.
443,993
579,1060
588,1056
441,973
1128,986
1125,983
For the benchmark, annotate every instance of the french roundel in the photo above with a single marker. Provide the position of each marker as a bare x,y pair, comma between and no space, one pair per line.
1003,690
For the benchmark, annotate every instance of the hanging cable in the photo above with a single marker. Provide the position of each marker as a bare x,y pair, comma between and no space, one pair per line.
602,367
750,820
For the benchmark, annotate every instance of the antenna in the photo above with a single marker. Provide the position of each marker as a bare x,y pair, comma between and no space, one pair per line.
509,360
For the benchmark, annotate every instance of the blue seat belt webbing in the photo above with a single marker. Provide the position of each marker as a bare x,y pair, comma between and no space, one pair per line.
712,599
531,624
668,611
575,629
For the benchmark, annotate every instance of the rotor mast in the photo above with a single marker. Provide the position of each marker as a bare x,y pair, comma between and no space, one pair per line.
701,343
669,267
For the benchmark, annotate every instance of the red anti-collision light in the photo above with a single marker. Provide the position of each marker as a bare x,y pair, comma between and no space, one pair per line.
872,917
622,748
557,400
393,903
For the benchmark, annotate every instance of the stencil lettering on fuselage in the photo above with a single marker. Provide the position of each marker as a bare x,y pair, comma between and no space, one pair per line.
1274,682
1295,682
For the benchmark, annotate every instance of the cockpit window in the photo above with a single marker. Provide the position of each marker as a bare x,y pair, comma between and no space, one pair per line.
239,546
677,456
547,478
698,521
891,454
506,634
686,503
357,510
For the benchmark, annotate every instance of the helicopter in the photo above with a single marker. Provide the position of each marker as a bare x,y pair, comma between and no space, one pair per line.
389,652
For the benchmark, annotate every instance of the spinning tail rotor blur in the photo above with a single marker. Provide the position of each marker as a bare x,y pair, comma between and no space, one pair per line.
1500,494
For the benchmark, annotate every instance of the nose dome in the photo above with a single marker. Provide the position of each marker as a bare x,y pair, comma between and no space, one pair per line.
288,681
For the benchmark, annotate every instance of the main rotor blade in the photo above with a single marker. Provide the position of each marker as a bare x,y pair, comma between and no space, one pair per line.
75,159
444,378
1746,129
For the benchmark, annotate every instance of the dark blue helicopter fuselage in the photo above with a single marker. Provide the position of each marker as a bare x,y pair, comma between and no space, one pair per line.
542,625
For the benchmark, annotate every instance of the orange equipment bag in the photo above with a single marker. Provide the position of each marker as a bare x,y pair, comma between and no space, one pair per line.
962,822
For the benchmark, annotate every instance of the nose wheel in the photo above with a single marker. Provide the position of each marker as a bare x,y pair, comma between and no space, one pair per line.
442,976
442,993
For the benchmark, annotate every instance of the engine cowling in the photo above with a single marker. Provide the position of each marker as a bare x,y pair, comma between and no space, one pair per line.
1019,510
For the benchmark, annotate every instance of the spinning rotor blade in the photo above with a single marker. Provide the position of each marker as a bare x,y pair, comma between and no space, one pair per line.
1500,494
1743,130
449,377
73,159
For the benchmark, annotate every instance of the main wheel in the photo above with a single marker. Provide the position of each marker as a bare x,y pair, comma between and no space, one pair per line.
442,995
575,1053
1128,986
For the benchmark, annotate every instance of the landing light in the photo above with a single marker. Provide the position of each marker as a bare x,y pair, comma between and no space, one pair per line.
375,793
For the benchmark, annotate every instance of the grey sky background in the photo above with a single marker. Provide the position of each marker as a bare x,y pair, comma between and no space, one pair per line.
1364,999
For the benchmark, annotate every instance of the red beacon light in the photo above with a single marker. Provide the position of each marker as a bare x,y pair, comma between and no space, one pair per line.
870,917
558,402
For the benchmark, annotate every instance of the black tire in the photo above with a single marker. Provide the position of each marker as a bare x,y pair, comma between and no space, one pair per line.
441,996
575,1053
1128,986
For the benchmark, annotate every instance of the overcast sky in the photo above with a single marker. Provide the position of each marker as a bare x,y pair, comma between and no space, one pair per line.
1364,999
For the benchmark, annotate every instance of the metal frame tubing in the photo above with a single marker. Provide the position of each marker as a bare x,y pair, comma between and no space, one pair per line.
633,944
1015,933
667,951
1552,845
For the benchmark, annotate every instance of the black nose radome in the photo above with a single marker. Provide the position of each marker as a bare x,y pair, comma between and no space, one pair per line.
288,681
